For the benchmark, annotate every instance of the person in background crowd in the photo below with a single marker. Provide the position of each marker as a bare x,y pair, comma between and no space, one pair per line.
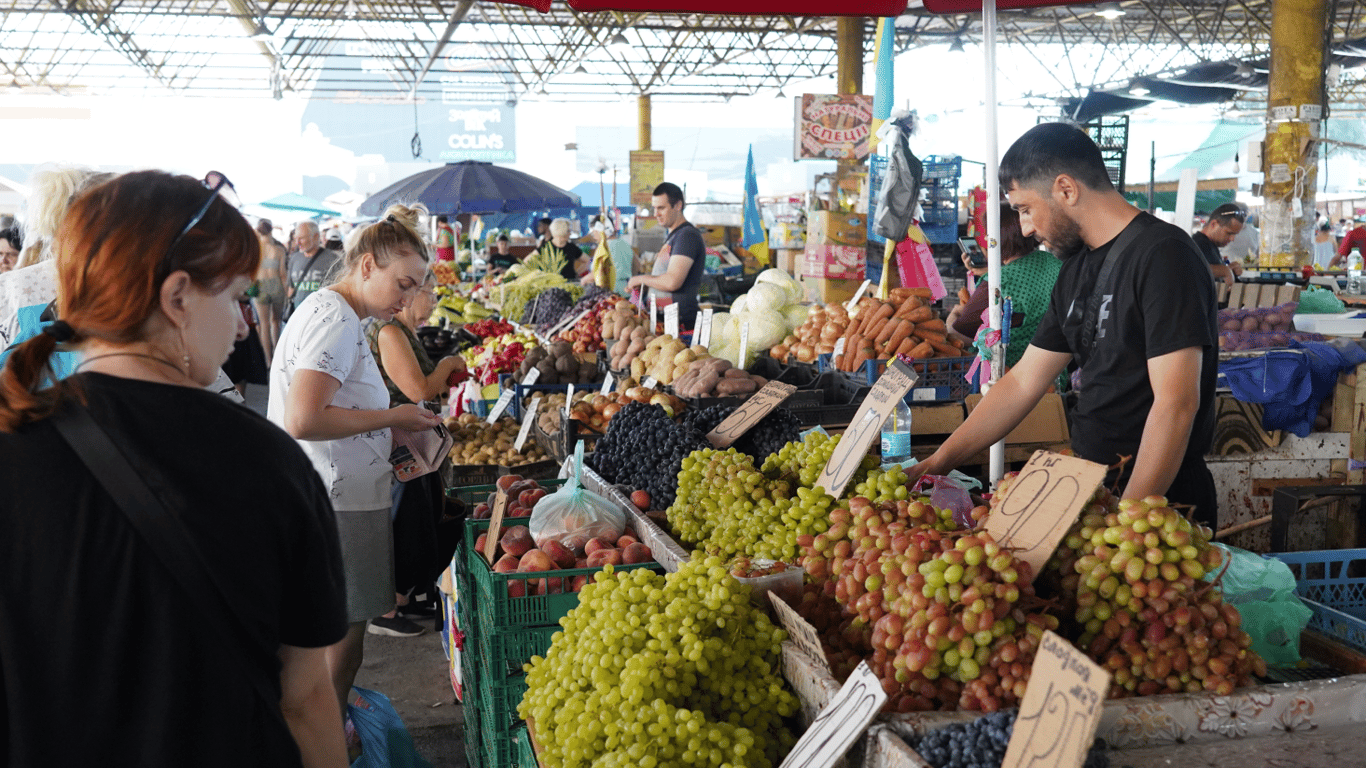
411,377
1353,240
1027,277
559,245
270,286
310,266
1246,246
623,256
1325,246
327,392
542,232
445,239
1340,231
680,262
500,258
11,243
1224,223
1147,346
333,241
150,266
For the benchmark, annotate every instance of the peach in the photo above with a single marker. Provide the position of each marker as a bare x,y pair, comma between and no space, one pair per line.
535,560
563,557
506,481
599,543
641,499
481,541
481,510
516,589
505,564
582,562
636,553
626,541
517,541
578,583
554,585
528,498
604,557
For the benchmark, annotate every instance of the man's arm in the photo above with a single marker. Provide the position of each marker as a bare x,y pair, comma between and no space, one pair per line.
1007,404
1175,379
1222,272
672,279
309,703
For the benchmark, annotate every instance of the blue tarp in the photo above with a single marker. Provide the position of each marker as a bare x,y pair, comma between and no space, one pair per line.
1291,384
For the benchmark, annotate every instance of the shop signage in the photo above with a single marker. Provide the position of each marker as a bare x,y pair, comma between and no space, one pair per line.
647,172
833,127
478,131
1043,502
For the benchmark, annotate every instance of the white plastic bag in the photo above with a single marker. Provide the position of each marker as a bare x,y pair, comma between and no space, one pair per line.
573,515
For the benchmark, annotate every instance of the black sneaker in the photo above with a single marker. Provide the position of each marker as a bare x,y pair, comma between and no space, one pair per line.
394,627
418,609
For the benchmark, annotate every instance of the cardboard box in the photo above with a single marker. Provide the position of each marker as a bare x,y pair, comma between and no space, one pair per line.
830,291
835,228
789,260
1047,423
787,235
835,261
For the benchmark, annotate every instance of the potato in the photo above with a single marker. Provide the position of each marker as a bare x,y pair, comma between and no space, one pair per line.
729,387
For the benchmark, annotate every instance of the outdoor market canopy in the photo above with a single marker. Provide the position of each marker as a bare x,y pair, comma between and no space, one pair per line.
471,186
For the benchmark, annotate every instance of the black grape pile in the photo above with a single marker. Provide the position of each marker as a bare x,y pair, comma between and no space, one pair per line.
982,744
644,449
547,307
767,437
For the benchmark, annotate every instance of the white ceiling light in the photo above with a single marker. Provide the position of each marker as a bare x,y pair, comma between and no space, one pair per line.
1109,11
581,70
1137,89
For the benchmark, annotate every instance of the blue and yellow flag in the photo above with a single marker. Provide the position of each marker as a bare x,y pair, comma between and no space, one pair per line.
755,238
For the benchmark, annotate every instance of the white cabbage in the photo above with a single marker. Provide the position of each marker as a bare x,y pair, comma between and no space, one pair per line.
783,280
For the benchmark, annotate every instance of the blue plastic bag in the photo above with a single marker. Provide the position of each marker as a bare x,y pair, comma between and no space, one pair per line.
382,735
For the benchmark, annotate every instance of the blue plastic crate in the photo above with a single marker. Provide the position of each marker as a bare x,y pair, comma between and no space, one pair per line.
942,379
1332,582
942,167
941,233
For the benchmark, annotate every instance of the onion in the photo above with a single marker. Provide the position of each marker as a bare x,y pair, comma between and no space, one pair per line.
805,353
830,332
610,410
825,348
780,352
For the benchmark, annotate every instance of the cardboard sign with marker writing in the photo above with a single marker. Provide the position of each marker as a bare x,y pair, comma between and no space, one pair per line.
528,419
839,351
744,344
606,384
671,320
702,334
866,425
1061,708
500,505
842,721
654,312
649,382
750,412
566,323
1042,503
504,400
853,302
799,631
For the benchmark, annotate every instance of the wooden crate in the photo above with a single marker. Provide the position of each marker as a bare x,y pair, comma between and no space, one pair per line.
1253,295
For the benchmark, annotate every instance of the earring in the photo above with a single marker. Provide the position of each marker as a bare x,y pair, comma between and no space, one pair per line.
184,358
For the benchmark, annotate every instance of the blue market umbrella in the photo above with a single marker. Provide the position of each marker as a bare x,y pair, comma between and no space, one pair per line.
471,186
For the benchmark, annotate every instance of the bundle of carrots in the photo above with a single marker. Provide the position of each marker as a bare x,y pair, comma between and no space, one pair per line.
905,324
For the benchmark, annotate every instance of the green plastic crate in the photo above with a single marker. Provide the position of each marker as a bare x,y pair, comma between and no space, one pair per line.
503,654
498,749
498,702
495,611
473,495
526,754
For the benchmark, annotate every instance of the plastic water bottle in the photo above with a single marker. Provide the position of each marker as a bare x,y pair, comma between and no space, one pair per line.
1354,260
896,435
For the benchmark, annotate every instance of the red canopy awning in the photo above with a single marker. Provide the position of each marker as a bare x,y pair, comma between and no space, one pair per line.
736,7
975,6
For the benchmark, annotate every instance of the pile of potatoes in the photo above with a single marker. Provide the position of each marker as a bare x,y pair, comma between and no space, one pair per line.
628,348
715,377
621,320
478,442
560,365
666,358
548,414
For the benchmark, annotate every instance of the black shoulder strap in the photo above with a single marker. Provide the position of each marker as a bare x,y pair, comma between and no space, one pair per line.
165,535
1091,321
295,283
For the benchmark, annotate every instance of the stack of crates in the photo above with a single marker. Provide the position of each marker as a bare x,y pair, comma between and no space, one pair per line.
939,180
502,633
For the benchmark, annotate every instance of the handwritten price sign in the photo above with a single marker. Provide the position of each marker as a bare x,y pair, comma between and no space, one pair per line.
1061,708
1043,501
895,382
751,412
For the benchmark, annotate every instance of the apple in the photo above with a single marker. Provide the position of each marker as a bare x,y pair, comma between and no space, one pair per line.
636,553
641,499
517,541
604,557
562,555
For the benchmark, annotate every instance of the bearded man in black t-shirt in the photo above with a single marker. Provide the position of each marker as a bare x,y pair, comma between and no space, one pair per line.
1146,348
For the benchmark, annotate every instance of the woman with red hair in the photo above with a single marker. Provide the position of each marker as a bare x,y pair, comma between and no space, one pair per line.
102,625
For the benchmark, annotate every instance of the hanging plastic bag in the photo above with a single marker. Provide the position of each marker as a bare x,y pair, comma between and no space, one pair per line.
384,739
1263,591
1317,300
900,189
574,514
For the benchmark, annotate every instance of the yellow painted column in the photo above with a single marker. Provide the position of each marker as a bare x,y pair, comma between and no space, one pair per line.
849,54
1295,100
643,104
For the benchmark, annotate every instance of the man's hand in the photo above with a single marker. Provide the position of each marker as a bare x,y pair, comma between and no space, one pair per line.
1223,272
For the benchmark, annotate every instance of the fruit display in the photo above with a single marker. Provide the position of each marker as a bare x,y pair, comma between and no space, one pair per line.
595,412
644,449
982,744
456,309
623,319
1131,576
490,327
586,334
547,307
816,336
903,325
716,377
654,670
522,497
496,356
517,552
478,442
628,346
446,273
559,364
665,358
521,284
778,428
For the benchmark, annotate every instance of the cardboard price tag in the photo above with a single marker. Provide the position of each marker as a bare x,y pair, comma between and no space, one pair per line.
496,412
671,320
606,385
500,505
528,419
839,351
842,721
866,425
750,412
649,382
567,323
532,376
1061,708
744,344
1042,503
799,631
654,312
849,305
702,334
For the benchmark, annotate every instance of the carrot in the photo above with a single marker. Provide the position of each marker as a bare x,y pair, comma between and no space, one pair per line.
878,313
908,306
920,315
885,329
930,336
901,335
922,351
899,295
923,293
906,346
863,356
851,348
936,326
944,348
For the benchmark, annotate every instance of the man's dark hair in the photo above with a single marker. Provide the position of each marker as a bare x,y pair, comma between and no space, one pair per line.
265,227
1051,149
12,235
504,239
1228,212
1013,240
674,194
441,219
544,222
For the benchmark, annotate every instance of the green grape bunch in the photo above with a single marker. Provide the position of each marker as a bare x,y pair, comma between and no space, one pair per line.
654,670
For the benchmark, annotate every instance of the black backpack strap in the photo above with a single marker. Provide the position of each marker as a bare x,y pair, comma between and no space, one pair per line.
167,537
1091,320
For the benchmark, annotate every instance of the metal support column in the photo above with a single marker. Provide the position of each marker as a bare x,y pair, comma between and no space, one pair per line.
849,55
1295,101
643,120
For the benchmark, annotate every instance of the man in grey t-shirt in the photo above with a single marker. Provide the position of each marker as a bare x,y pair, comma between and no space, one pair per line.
307,274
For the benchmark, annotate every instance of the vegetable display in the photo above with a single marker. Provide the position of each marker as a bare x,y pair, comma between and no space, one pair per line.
715,377
665,358
478,442
771,309
559,365
595,413
903,325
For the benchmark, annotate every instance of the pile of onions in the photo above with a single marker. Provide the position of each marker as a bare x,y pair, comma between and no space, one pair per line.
596,412
816,336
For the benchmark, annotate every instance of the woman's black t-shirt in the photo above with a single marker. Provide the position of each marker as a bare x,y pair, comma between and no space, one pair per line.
102,657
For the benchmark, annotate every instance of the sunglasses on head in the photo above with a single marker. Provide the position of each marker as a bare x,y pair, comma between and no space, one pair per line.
218,186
